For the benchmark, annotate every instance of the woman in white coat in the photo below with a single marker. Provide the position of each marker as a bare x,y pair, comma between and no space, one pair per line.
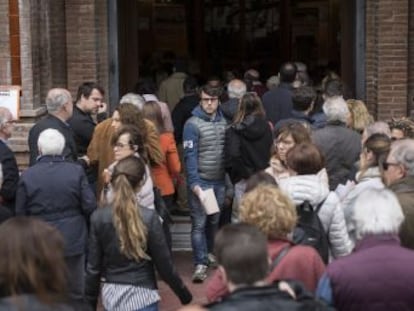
309,182
374,152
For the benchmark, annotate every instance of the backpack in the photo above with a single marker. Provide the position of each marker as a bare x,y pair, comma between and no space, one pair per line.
309,229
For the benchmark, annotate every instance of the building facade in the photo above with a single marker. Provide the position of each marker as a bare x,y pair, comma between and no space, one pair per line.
62,43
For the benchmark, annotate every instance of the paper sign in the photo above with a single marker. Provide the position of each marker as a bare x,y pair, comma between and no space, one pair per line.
10,99
209,201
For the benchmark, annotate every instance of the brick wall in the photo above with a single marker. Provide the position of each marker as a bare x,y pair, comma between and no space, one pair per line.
5,57
411,60
86,39
387,57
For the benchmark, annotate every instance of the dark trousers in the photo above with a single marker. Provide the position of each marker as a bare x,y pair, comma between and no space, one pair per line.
76,279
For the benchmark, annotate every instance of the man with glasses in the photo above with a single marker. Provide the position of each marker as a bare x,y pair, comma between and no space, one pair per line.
9,169
203,143
398,174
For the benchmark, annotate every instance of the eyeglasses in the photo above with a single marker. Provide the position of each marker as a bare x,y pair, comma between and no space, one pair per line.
386,165
121,145
211,99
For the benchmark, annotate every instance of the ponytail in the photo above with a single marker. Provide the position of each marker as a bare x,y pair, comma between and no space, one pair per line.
127,219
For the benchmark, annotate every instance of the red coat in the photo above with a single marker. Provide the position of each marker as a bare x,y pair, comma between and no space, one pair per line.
301,263
163,173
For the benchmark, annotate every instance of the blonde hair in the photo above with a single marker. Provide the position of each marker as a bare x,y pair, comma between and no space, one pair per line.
361,118
128,176
270,210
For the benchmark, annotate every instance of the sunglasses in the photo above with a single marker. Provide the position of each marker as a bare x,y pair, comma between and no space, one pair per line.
386,165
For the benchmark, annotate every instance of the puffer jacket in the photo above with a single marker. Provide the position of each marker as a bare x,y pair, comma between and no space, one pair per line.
106,260
203,143
370,179
314,188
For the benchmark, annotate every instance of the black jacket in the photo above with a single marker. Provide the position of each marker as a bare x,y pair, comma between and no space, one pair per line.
58,192
247,148
70,152
229,108
268,298
105,259
181,113
82,126
278,103
10,179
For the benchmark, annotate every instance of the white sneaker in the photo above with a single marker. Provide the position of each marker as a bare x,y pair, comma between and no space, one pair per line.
200,274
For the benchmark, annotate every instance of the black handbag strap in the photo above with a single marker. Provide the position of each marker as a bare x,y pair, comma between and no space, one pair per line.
279,257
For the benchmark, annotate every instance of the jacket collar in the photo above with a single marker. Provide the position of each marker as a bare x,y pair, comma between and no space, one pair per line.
50,158
370,241
200,113
403,185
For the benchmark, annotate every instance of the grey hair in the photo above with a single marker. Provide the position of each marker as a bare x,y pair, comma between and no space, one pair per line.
403,153
236,88
272,82
56,99
377,211
379,127
51,142
336,109
135,99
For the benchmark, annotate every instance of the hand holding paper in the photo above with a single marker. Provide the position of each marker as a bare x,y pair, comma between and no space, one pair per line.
208,200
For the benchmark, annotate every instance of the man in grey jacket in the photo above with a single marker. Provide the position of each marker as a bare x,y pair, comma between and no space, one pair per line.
340,145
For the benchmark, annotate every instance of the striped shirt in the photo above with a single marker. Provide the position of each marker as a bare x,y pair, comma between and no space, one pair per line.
121,297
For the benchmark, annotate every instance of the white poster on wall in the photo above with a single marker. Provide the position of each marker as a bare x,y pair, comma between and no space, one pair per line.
10,98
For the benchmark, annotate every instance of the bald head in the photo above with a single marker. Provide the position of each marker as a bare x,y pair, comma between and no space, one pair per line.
236,88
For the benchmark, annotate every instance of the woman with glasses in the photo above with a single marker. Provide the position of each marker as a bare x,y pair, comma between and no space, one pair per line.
285,138
128,141
126,243
248,143
374,152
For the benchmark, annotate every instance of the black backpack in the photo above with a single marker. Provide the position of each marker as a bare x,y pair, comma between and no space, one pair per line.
309,229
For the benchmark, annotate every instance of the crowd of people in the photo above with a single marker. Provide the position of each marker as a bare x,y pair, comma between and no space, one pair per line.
298,198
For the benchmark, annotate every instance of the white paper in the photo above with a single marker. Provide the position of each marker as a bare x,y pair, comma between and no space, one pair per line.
209,201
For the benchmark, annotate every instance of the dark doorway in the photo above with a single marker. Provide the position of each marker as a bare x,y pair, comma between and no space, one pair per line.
233,35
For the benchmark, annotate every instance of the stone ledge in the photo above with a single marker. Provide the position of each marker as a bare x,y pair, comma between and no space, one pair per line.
32,113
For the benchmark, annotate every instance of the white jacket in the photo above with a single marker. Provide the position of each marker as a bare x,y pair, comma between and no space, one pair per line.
370,179
315,189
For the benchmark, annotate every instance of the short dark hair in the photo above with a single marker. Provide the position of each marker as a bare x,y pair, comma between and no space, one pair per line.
190,85
333,87
241,249
86,89
288,72
259,178
145,86
305,159
215,91
303,97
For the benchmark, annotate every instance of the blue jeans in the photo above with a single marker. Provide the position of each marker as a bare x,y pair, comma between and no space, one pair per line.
203,226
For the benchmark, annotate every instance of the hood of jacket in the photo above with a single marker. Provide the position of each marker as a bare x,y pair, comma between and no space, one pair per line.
252,127
312,188
200,113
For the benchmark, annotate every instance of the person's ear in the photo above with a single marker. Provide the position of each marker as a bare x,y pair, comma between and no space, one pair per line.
223,274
